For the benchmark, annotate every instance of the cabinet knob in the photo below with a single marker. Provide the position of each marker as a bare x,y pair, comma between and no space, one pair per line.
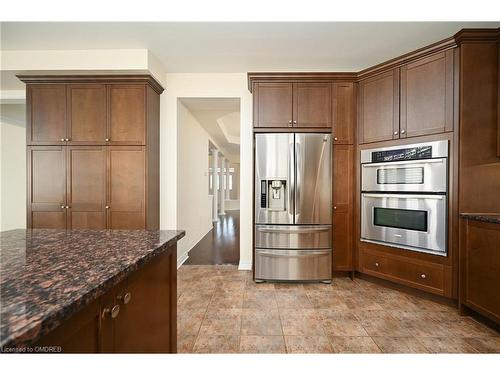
289,121
376,264
395,133
294,121
334,207
62,139
112,312
67,207
423,276
335,139
125,298
107,139
67,139
403,131
63,206
106,207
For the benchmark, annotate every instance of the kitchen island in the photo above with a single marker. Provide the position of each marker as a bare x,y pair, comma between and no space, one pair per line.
88,290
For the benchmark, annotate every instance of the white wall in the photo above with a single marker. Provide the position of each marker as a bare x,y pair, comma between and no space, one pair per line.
185,85
193,206
13,166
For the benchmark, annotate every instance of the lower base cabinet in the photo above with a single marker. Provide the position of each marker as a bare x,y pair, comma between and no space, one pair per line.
139,315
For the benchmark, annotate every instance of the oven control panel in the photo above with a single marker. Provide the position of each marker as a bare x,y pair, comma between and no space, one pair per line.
413,153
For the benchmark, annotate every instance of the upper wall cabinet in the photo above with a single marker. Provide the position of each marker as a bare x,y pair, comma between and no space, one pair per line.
86,114
379,107
427,95
305,105
127,115
46,120
344,107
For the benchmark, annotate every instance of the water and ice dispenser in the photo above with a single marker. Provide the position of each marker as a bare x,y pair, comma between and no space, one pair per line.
273,194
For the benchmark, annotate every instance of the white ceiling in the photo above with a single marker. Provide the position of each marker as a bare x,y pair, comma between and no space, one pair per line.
241,47
220,117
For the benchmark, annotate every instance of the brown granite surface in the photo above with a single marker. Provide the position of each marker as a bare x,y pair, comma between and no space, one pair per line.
487,218
48,275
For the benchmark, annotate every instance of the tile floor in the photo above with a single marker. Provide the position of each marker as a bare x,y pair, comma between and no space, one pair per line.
221,310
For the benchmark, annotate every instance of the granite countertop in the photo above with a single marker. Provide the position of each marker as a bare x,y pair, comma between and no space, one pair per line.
487,218
48,275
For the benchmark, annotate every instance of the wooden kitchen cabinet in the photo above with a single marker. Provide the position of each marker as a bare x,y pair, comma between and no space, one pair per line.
344,107
138,315
46,114
93,155
86,114
86,187
480,267
126,187
343,159
301,105
427,95
127,114
46,187
378,107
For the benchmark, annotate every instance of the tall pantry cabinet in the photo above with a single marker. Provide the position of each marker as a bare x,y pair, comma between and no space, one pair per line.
93,152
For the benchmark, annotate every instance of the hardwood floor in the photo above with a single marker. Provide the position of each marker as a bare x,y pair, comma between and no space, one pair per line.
222,310
221,245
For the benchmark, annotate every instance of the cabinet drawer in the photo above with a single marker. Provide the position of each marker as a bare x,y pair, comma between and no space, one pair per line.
411,272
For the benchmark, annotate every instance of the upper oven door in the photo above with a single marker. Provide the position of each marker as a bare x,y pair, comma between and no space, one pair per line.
427,175
414,221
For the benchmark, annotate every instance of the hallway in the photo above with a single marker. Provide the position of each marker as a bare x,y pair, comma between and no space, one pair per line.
221,245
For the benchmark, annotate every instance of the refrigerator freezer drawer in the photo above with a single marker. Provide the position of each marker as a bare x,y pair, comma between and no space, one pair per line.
296,265
293,237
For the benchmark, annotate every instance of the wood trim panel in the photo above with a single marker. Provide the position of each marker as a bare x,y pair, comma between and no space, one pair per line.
254,77
101,79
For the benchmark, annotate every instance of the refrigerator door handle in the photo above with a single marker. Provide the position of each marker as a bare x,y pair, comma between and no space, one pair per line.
294,230
291,174
297,178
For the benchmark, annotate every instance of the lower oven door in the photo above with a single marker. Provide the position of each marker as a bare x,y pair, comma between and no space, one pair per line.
293,265
412,221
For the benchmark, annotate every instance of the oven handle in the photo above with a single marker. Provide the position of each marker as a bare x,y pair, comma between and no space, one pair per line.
404,196
404,162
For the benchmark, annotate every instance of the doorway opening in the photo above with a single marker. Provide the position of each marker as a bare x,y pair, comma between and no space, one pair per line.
209,179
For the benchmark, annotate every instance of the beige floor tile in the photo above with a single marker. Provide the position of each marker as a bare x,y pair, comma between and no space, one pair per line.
386,328
189,321
301,322
447,345
260,323
262,344
353,345
369,315
217,344
291,299
341,324
185,343
194,300
326,300
260,299
221,322
400,345
289,286
227,299
252,285
362,301
308,344
485,345
468,327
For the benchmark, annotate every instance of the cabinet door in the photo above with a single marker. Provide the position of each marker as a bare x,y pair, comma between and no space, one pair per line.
427,95
86,187
342,207
343,113
86,114
127,114
147,322
47,187
126,187
379,107
312,105
272,105
46,109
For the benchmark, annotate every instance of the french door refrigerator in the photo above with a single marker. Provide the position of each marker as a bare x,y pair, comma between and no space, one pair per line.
293,207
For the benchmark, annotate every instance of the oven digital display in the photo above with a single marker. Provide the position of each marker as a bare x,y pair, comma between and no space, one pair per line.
414,153
399,218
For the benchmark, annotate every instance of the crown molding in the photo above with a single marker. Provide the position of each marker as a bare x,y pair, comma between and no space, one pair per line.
298,77
110,78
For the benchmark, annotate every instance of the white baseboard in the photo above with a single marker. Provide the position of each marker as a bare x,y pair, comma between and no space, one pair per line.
182,259
245,266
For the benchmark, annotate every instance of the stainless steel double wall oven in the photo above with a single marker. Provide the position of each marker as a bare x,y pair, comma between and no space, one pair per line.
404,193
293,206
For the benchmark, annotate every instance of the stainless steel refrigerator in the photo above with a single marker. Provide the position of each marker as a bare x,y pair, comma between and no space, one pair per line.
293,207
